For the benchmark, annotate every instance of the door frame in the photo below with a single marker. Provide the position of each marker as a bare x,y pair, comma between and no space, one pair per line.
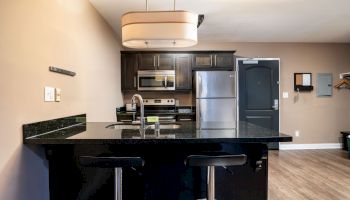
279,85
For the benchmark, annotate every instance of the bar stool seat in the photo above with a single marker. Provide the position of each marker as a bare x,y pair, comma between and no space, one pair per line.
118,163
211,162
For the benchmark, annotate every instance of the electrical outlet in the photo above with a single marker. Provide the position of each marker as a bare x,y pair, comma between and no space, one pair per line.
58,94
297,133
285,95
49,94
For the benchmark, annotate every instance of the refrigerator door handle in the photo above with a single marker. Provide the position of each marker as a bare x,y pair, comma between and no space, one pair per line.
198,115
199,85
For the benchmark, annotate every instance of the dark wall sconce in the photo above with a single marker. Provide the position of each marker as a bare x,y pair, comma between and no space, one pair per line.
303,82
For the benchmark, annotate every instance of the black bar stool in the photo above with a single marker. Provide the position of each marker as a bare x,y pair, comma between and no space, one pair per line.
211,162
118,163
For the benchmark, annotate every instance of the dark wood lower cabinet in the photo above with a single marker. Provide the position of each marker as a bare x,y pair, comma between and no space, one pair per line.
164,176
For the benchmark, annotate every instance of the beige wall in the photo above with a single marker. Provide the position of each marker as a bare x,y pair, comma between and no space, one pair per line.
34,35
319,120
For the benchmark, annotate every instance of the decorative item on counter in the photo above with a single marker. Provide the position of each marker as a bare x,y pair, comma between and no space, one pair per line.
185,110
130,107
152,119
303,82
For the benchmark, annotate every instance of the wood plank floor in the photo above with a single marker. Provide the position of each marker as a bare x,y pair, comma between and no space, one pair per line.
309,174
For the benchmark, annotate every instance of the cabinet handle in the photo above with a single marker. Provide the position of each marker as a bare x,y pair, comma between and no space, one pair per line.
185,119
215,60
158,61
166,81
211,60
135,81
154,61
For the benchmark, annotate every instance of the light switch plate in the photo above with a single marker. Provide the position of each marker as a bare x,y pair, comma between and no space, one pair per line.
285,95
49,94
58,94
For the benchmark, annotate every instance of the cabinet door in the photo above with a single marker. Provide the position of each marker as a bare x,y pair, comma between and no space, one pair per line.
166,61
183,72
223,60
202,60
147,61
129,72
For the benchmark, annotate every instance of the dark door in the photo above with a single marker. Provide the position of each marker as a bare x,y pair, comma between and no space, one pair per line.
259,93
183,72
128,72
166,61
147,61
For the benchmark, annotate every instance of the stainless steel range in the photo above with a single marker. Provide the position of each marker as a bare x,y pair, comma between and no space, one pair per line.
163,108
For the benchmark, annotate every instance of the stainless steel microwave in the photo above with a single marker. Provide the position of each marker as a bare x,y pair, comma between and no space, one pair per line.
156,80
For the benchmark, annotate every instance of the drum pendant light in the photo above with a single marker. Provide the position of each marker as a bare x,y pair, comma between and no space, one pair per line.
159,29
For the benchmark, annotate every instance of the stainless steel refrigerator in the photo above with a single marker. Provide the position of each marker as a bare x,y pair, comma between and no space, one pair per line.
216,102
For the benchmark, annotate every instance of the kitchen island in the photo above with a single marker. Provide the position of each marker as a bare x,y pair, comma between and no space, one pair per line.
164,175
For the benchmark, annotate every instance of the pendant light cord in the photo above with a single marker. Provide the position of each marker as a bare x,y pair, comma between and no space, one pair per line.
147,5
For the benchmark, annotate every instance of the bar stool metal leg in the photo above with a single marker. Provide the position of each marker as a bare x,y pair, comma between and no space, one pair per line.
211,183
118,183
211,162
113,162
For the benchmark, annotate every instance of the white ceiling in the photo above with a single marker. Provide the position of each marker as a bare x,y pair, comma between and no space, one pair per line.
250,20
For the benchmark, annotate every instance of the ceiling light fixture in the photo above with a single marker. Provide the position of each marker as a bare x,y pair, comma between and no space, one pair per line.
159,29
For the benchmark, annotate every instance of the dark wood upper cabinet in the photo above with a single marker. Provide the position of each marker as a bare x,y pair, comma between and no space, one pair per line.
183,72
151,61
128,72
166,61
147,61
182,62
223,60
209,60
202,60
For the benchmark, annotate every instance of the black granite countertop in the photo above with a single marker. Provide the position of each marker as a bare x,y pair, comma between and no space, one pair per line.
97,133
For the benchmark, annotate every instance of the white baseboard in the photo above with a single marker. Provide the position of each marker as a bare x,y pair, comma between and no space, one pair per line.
310,146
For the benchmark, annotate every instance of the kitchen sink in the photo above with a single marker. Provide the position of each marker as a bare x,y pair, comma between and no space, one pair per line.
137,126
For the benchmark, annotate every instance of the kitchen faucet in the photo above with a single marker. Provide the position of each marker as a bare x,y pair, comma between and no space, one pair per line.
143,127
142,111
